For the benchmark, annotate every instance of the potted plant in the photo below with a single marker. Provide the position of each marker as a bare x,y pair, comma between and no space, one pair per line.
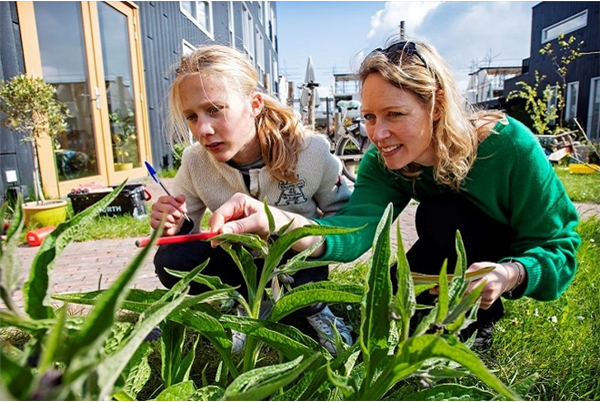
123,132
31,107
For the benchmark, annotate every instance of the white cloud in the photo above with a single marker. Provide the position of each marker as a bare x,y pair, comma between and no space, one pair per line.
387,21
467,34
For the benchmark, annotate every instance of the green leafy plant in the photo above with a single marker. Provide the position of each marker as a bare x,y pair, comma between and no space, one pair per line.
72,357
31,107
546,105
387,351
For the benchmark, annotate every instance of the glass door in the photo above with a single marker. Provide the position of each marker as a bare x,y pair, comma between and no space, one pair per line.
90,52
120,88
63,57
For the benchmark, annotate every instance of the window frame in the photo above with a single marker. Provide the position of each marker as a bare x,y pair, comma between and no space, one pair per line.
208,31
569,106
553,32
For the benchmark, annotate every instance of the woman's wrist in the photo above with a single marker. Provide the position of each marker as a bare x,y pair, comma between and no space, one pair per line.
518,277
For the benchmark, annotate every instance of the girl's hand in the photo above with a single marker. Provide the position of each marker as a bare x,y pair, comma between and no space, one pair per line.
172,209
503,278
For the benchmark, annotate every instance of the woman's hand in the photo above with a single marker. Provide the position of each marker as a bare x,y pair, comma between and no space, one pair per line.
504,277
241,214
172,209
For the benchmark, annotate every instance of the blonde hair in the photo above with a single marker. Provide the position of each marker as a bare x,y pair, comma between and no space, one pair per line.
280,133
456,133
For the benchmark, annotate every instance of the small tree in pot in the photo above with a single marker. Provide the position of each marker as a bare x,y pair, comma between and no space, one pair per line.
31,107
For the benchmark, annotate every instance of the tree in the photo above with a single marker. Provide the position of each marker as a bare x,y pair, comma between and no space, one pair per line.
542,110
31,107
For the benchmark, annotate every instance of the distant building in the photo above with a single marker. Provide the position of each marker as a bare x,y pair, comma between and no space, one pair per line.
112,64
486,85
582,20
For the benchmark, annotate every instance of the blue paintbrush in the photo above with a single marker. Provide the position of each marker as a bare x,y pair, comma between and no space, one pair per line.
156,179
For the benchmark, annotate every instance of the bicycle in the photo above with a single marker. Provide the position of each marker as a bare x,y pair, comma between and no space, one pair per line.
352,140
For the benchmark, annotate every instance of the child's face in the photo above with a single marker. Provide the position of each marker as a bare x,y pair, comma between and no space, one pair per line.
221,121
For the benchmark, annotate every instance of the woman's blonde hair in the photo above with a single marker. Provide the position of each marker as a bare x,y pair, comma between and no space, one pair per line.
418,68
279,130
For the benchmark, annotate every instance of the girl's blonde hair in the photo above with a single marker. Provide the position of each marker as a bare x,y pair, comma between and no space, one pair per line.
457,133
278,128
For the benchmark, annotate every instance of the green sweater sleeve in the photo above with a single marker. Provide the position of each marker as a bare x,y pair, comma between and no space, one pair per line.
374,189
514,183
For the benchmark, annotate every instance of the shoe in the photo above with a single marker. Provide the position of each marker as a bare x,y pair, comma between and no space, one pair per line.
238,339
482,342
323,322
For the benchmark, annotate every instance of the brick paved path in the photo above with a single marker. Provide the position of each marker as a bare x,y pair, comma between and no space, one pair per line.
93,265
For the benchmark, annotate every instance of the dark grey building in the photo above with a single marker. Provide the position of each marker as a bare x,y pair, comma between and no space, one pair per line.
580,19
112,64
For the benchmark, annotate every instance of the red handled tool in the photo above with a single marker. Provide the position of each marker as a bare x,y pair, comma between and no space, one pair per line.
177,239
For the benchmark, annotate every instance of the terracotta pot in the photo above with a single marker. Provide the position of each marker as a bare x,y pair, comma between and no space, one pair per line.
50,213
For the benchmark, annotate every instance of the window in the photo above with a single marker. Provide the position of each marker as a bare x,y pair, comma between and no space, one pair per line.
593,126
231,26
260,55
187,48
200,13
552,104
248,33
565,26
572,94
260,11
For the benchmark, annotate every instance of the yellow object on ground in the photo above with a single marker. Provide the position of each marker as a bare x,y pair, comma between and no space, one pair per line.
581,168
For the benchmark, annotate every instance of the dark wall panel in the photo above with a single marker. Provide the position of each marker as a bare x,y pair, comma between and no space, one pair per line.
14,154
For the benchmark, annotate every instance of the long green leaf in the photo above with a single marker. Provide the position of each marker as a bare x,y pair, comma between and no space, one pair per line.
36,288
178,392
404,300
415,351
287,340
9,263
16,379
102,315
317,292
171,345
54,341
111,367
285,242
261,383
376,303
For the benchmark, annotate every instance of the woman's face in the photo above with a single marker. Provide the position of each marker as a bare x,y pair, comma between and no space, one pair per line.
397,123
221,121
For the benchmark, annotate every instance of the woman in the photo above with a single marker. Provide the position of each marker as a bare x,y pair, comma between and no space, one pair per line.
482,173
250,143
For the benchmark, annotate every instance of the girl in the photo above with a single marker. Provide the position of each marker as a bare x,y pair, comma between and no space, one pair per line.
246,142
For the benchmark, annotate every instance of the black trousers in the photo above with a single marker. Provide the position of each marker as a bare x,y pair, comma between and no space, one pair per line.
187,256
437,220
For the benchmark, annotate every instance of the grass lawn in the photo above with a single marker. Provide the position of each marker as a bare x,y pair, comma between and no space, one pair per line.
580,187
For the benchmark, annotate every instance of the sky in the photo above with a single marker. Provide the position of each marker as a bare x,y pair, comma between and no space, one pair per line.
337,34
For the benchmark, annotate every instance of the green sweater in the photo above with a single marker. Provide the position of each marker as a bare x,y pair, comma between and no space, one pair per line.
511,180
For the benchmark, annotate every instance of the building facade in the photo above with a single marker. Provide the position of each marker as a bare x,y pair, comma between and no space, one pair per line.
580,19
112,64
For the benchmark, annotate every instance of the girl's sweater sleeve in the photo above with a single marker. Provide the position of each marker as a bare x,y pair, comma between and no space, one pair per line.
333,192
374,189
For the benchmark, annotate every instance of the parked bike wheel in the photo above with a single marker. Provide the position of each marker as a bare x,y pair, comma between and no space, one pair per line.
350,152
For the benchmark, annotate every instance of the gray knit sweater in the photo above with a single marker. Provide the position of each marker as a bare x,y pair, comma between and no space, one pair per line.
319,192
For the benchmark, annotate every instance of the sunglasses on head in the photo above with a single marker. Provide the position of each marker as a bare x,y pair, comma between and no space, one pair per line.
394,53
